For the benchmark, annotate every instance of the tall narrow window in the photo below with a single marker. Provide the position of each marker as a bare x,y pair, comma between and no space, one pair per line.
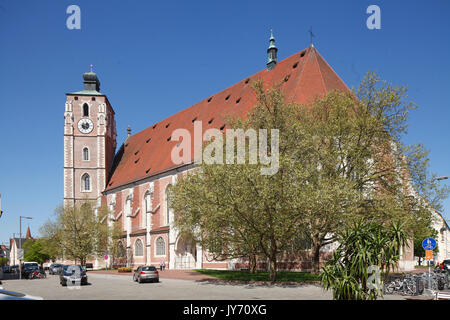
85,154
147,207
138,248
160,247
86,182
168,209
85,110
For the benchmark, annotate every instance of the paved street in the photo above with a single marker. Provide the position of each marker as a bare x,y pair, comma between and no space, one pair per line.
104,286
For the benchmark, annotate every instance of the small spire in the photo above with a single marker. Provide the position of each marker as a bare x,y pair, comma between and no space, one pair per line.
311,34
129,131
271,53
91,67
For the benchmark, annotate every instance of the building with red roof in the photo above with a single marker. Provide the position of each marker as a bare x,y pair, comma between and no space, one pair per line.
133,182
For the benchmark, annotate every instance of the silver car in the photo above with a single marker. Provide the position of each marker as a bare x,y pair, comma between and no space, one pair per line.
146,273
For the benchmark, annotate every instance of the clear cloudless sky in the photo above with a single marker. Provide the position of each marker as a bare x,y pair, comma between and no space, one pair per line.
155,58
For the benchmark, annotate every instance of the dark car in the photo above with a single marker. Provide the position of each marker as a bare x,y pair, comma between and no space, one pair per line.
55,268
73,275
28,269
146,273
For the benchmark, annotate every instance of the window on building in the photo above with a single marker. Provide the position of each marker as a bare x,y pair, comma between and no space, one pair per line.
86,154
147,207
86,182
168,209
160,247
85,110
138,248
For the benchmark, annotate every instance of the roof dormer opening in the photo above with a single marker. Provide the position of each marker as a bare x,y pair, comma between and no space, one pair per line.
136,161
146,171
148,140
136,153
302,54
222,127
154,126
169,138
209,100
246,81
295,65
193,120
210,121
286,78
167,125
238,100
227,97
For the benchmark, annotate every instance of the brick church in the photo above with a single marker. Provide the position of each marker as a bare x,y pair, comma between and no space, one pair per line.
133,181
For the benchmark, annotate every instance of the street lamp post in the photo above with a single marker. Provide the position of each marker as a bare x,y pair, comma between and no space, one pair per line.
20,241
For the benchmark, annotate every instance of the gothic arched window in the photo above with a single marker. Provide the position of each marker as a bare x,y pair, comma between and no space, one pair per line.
85,110
160,247
138,248
85,154
86,182
168,209
147,207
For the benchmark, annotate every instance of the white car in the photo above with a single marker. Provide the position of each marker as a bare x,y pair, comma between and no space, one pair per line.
11,295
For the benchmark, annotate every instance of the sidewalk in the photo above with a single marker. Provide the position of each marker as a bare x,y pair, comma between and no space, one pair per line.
168,274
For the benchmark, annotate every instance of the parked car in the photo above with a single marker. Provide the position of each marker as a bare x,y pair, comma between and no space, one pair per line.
73,274
14,269
89,266
146,273
28,269
55,268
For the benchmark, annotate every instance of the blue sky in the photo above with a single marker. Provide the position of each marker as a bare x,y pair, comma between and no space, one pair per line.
156,58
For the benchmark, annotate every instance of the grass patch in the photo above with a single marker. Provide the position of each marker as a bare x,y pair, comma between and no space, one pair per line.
259,276
421,267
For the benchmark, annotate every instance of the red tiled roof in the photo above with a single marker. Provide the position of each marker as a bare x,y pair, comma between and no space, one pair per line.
148,152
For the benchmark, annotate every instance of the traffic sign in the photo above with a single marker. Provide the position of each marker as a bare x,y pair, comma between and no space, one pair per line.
428,254
429,244
20,254
106,257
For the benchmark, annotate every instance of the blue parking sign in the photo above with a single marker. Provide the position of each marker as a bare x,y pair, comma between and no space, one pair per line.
429,244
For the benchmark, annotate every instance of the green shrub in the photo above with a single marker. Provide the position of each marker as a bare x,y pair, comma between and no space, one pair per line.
124,269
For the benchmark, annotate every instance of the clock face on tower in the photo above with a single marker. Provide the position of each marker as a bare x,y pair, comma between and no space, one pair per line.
85,125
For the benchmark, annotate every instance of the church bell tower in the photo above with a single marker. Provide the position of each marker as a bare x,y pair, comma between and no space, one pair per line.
89,142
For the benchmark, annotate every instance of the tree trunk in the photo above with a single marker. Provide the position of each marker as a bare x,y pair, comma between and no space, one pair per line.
273,268
315,252
252,263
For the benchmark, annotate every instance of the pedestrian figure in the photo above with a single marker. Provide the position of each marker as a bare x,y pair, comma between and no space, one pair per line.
164,265
160,265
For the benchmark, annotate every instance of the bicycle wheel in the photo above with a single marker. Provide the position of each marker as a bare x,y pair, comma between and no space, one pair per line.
389,288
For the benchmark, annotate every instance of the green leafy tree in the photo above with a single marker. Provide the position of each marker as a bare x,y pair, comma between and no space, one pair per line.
340,157
3,261
34,251
77,232
362,245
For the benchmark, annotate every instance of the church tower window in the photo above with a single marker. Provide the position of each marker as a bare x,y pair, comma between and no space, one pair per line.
86,182
85,154
85,110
